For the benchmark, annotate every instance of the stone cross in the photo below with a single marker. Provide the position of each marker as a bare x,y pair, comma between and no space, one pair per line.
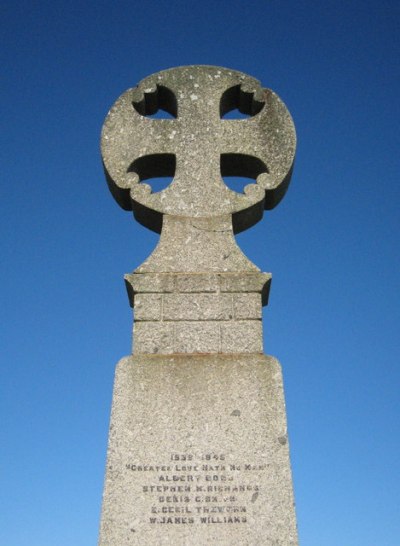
198,147
198,426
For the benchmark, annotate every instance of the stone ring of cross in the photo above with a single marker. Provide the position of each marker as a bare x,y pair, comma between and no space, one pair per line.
196,146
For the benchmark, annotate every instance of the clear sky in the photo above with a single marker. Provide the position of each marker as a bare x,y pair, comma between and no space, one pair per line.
332,246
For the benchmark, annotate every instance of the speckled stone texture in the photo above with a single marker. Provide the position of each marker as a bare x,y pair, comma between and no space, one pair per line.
198,146
198,453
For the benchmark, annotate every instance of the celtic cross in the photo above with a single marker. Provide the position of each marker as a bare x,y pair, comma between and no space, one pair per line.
198,147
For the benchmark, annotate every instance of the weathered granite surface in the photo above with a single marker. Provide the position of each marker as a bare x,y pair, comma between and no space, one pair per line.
198,453
198,450
198,146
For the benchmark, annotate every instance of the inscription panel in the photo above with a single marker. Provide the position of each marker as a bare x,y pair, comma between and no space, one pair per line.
192,489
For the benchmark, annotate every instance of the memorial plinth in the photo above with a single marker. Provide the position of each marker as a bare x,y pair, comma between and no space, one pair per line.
198,451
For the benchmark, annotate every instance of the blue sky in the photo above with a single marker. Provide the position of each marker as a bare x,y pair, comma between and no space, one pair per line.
332,246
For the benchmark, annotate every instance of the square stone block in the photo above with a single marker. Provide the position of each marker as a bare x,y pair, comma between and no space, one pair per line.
197,307
247,306
197,337
242,336
153,337
148,307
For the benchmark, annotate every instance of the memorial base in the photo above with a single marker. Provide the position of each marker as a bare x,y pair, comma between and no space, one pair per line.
198,453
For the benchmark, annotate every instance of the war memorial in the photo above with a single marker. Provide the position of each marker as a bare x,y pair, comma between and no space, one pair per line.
198,451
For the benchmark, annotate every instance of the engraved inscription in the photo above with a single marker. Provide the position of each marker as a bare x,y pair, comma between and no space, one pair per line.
194,489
